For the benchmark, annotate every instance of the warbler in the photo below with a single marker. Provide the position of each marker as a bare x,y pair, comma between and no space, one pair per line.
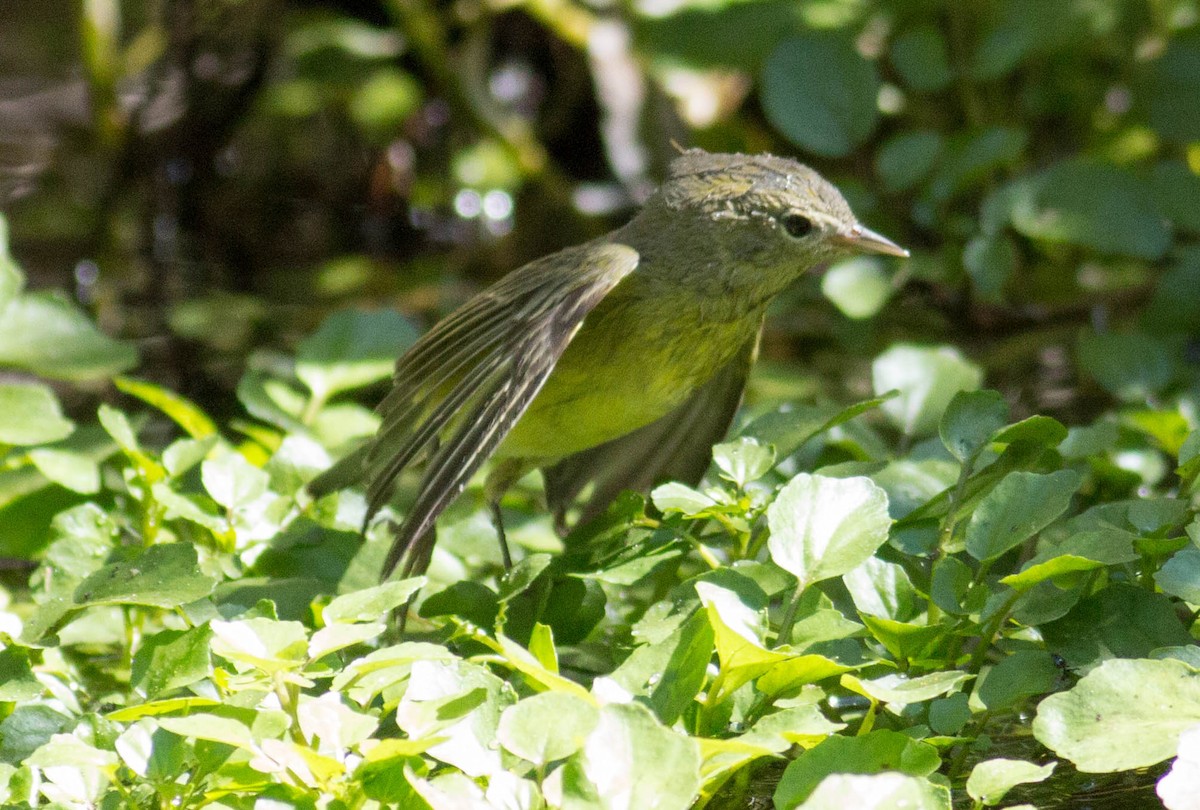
609,365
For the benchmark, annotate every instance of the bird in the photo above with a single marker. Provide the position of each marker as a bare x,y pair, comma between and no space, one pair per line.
609,365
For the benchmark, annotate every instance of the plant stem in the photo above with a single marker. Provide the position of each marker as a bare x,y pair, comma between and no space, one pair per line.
789,615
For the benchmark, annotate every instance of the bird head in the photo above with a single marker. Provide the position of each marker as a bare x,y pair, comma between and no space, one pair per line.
785,210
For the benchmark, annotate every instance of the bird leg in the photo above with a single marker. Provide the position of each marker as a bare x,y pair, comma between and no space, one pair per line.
503,476
498,519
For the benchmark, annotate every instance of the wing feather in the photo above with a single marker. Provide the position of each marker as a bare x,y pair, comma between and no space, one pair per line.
463,386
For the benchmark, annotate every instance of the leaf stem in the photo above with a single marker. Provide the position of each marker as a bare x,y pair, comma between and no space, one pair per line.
789,615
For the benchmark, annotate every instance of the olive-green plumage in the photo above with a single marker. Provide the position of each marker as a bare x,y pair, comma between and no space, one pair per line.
612,363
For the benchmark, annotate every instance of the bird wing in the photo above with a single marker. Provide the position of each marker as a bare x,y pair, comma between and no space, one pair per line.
460,389
677,446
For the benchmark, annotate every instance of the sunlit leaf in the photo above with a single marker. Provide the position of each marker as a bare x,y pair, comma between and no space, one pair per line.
823,527
1124,714
871,753
30,414
991,779
927,379
45,333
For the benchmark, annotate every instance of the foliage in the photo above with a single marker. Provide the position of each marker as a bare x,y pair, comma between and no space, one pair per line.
942,593
199,633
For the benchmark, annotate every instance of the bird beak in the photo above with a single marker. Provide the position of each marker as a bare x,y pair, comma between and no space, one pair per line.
865,240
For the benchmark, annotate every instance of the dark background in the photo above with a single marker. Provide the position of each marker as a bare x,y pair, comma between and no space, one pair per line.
211,177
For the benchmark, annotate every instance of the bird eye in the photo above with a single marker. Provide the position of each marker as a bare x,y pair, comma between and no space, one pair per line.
797,225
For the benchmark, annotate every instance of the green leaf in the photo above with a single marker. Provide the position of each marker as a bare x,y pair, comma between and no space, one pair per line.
950,715
17,681
859,287
1122,715
789,430
1132,366
197,509
1119,621
547,726
523,575
325,718
1180,575
951,584
818,621
1172,89
737,634
75,471
1022,504
906,641
901,690
164,576
881,588
336,637
991,779
260,643
719,34
68,751
840,791
670,671
631,760
181,410
743,460
371,604
232,481
270,400
28,728
1176,189
788,678
1036,430
1189,459
820,93
1092,205
117,425
182,455
803,724
970,158
1168,427
170,660
908,158
823,527
212,727
45,333
30,414
920,57
352,349
871,753
1168,311
1017,28
990,260
912,485
1021,675
158,708
676,497
1085,551
927,379
462,704
970,420
151,752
